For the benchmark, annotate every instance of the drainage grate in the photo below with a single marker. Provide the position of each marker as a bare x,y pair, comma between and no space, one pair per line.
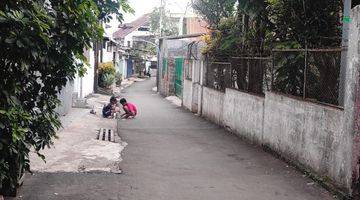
106,135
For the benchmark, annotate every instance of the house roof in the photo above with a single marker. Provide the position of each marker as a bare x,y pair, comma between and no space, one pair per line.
128,28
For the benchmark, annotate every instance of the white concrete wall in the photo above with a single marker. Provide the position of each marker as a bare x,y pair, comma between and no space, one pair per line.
107,55
65,97
196,90
191,93
308,133
122,66
187,94
212,107
244,114
84,86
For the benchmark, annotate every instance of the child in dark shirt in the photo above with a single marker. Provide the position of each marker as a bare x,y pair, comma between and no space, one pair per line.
111,108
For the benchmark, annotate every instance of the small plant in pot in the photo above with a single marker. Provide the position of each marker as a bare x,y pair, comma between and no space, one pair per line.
118,78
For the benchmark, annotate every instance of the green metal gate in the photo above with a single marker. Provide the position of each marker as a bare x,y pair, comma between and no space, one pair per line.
179,63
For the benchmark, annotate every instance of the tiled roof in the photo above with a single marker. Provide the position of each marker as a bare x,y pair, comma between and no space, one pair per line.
128,28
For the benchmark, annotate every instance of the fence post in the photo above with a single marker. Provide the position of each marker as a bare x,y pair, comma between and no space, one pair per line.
205,72
344,45
352,104
305,74
272,70
232,84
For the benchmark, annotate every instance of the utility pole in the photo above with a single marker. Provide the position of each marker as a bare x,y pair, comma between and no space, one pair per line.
183,20
97,46
96,65
161,21
344,47
162,13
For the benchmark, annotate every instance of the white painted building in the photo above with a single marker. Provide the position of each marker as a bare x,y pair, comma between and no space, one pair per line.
83,86
125,39
108,50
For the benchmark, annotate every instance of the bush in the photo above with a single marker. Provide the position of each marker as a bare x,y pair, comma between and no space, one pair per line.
118,78
107,68
38,58
107,80
106,74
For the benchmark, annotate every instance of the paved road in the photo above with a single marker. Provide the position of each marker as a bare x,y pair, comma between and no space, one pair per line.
175,155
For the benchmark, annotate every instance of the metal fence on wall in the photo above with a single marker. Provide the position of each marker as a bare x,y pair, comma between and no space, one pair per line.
249,74
312,74
218,74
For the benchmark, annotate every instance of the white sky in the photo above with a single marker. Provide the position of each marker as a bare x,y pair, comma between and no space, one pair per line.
146,6
142,7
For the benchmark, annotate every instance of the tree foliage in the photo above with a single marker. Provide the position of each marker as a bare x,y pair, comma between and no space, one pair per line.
138,55
108,8
261,25
302,21
42,47
215,10
166,27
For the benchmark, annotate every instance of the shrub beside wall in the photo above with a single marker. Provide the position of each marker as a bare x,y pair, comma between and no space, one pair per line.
106,74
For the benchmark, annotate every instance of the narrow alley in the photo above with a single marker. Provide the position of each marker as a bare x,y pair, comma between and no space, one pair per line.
174,155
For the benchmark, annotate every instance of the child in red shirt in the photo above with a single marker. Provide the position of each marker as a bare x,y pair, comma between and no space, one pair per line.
129,108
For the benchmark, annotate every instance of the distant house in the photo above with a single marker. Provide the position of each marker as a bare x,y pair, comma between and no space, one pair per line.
125,38
194,25
189,23
108,51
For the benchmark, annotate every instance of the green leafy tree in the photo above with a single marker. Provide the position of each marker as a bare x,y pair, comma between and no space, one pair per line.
165,27
262,25
239,31
303,22
215,10
109,8
300,24
41,44
252,8
138,55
